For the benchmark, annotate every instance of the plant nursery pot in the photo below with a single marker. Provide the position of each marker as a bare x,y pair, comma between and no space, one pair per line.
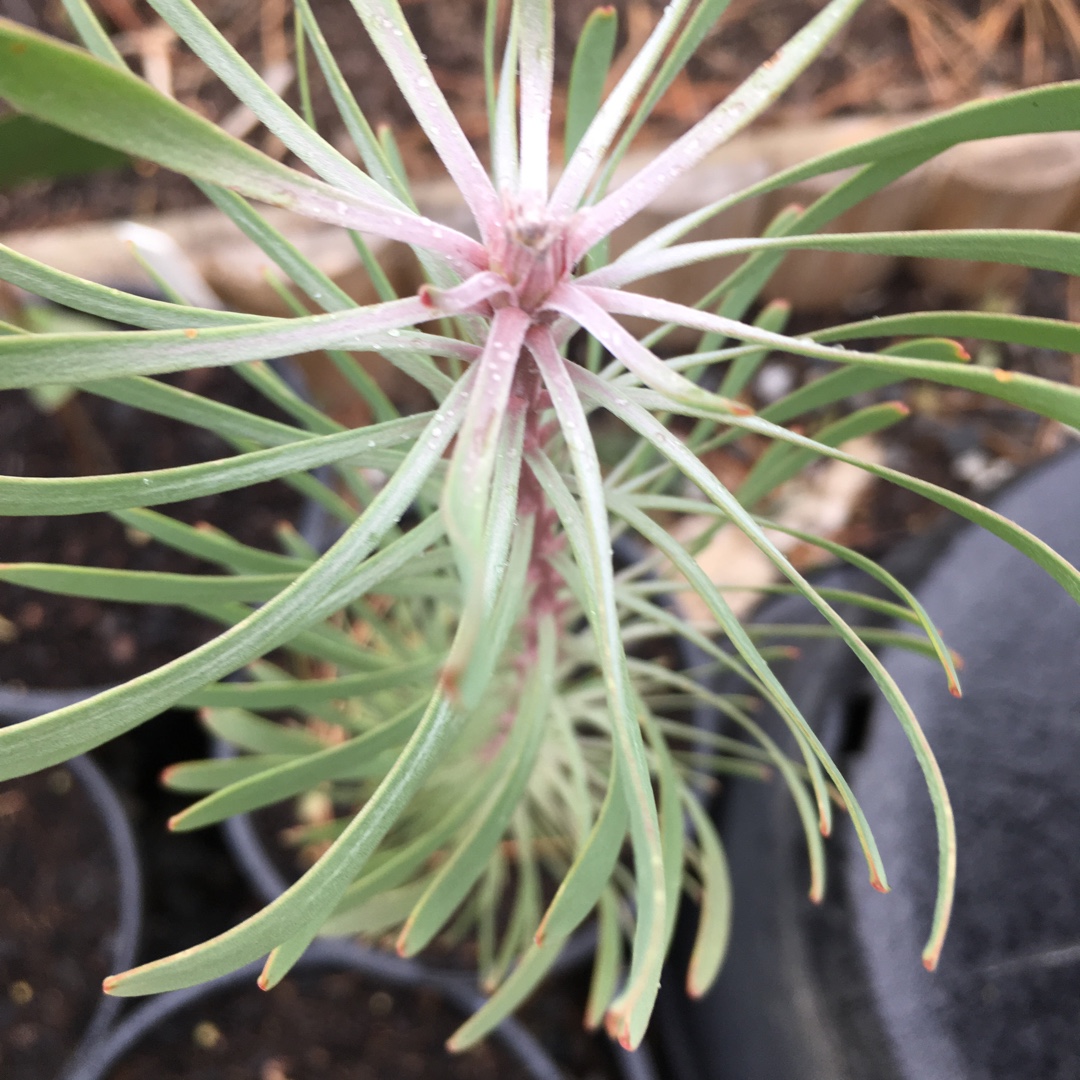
837,991
70,911
343,1014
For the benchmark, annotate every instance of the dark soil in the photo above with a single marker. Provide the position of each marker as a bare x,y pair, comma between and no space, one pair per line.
58,912
102,643
335,1026
896,55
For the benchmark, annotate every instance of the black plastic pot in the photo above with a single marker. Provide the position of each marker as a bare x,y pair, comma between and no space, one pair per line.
322,956
126,886
837,992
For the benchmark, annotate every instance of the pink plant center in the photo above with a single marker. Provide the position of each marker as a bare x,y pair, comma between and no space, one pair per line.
530,251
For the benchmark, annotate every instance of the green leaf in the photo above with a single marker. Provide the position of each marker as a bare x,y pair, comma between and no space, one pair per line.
226,421
42,358
530,970
648,427
212,545
356,759
23,496
714,918
210,45
1043,108
672,838
281,959
100,300
580,889
457,875
845,382
284,693
91,32
357,125
590,539
199,776
592,61
493,596
382,912
988,326
142,587
258,735
525,916
31,150
608,962
399,865
890,156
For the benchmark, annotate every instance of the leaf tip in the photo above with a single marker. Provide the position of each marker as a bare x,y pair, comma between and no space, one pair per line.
450,684
878,882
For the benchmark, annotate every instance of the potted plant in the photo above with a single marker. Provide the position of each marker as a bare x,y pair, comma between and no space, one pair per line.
71,908
501,711
343,1009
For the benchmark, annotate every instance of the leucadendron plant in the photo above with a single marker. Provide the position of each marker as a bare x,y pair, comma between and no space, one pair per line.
493,737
